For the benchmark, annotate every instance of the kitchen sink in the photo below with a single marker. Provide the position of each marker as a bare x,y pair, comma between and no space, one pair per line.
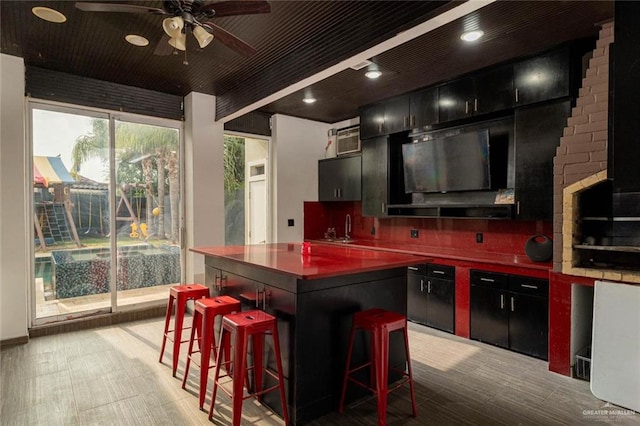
339,240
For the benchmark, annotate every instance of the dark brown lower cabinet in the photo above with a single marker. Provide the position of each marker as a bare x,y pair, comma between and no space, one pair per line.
431,296
510,311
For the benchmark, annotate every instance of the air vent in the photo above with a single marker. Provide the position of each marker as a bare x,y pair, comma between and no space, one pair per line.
361,65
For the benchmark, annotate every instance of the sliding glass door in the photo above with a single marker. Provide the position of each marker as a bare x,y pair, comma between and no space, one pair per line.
148,211
106,211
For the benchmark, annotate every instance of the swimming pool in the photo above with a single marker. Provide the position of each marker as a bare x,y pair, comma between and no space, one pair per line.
86,271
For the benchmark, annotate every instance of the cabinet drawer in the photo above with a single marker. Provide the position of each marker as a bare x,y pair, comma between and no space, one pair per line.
441,271
420,269
527,285
489,279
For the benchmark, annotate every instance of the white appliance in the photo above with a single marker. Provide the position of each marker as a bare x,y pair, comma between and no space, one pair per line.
348,140
615,350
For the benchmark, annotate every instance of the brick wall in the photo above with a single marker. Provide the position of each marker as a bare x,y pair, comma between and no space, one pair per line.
583,146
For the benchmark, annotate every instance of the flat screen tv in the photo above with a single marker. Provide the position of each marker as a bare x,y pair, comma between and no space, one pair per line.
453,163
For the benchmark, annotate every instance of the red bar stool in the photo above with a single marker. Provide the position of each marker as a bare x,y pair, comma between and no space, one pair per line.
204,316
180,294
380,323
254,323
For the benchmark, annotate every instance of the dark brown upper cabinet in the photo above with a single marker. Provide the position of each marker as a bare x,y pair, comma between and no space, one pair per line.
538,129
397,115
542,78
456,100
372,121
424,108
339,179
375,177
482,93
494,90
415,111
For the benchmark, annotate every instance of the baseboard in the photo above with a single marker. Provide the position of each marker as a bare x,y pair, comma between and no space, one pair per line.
14,341
98,321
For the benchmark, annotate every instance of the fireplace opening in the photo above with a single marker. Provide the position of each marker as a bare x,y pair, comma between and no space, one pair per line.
607,230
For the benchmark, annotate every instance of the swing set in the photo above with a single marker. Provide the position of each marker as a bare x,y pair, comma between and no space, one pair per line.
89,229
138,229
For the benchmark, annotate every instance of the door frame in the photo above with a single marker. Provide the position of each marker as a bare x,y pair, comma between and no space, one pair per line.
248,200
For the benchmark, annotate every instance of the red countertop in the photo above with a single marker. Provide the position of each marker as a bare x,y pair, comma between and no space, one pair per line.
325,260
475,256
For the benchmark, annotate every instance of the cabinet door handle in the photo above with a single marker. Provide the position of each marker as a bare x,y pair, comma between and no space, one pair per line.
517,98
502,301
412,122
488,280
466,107
518,208
413,268
219,282
475,104
535,287
513,304
405,122
421,286
429,286
383,208
379,127
435,271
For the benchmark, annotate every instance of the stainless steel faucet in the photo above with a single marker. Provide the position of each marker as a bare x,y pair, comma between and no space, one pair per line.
347,226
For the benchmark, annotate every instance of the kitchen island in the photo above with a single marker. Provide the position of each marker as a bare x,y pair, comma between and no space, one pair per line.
313,296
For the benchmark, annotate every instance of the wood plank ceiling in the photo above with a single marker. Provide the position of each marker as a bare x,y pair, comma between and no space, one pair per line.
296,40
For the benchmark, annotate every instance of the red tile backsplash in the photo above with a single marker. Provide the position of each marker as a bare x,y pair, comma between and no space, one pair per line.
499,236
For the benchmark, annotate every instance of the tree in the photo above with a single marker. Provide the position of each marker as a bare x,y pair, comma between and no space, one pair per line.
234,161
160,143
143,143
95,144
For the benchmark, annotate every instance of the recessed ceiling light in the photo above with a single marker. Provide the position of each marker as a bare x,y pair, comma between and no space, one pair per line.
136,40
309,100
373,74
472,35
48,14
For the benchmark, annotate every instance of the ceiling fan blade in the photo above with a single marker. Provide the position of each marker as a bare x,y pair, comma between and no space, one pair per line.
237,7
229,39
163,48
115,7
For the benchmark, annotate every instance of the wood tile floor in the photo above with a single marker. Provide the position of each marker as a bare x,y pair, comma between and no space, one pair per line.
111,376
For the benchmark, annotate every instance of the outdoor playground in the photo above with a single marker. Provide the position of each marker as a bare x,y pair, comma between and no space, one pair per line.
72,235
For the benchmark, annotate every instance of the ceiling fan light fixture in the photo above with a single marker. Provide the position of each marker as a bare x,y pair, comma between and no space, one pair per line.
48,14
173,26
203,36
179,42
137,40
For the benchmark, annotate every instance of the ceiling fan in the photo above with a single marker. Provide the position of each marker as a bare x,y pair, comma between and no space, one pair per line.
190,16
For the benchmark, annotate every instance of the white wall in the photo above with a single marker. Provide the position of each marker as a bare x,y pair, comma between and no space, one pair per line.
14,246
297,146
204,188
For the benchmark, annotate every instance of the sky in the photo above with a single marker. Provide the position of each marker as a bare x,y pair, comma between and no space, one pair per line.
55,133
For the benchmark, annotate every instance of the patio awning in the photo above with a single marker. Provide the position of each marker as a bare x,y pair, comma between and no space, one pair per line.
50,170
